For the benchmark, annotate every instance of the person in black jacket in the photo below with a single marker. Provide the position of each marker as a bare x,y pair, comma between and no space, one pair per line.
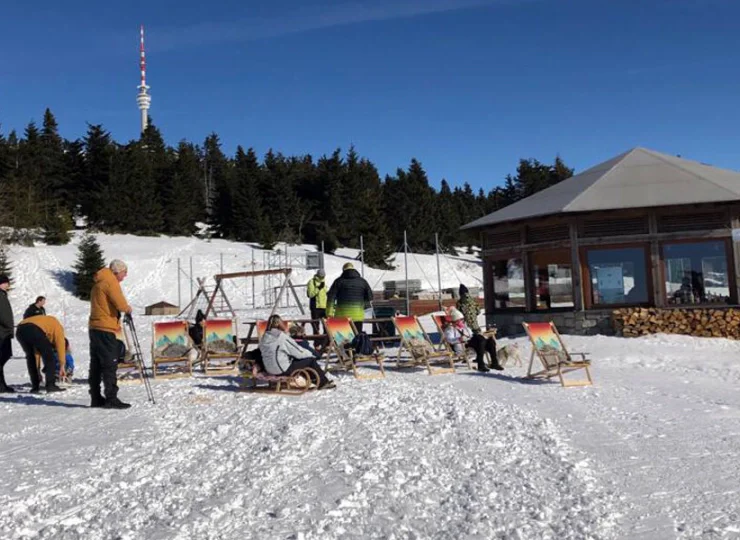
6,332
349,295
37,308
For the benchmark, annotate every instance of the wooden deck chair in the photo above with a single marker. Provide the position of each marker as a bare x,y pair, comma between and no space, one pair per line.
466,356
416,341
220,351
341,332
171,346
128,370
556,360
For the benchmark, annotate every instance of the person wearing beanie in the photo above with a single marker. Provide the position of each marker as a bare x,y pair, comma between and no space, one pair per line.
469,308
107,303
316,291
349,295
42,335
6,332
459,335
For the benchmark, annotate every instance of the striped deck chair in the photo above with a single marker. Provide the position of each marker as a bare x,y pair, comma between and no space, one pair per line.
555,358
341,332
416,341
466,356
171,346
220,352
129,370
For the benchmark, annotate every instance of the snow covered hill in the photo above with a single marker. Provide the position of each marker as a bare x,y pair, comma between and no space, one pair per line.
650,451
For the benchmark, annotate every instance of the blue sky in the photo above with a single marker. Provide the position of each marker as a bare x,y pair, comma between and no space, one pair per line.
466,86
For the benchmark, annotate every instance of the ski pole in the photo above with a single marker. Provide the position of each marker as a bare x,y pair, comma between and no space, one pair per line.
137,352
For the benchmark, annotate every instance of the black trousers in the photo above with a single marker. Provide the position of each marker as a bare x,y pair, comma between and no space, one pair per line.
104,351
33,340
317,313
481,345
295,365
6,351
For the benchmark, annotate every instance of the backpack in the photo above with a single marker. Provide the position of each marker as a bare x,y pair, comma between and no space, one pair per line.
362,345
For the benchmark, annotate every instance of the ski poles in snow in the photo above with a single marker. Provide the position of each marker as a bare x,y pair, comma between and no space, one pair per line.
138,356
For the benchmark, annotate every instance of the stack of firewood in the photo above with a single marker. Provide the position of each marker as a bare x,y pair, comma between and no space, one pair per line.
632,322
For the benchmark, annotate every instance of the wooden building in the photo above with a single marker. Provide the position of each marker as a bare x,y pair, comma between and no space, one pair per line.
162,308
642,229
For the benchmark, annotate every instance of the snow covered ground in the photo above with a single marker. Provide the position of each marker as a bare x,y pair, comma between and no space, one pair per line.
651,451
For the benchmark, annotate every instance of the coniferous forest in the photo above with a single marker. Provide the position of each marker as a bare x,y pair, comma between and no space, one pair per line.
147,187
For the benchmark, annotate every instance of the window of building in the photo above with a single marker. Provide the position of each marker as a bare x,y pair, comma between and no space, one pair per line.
617,276
508,284
696,273
553,281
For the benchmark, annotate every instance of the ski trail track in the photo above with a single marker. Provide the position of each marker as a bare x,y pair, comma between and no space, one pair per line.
208,462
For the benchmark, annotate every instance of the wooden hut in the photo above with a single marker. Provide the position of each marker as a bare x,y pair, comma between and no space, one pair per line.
643,242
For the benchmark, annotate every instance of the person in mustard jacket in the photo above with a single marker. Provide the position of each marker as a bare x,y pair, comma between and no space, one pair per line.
42,334
106,305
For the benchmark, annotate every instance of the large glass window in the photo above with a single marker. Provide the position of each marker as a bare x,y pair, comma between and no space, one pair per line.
696,273
553,281
508,284
618,276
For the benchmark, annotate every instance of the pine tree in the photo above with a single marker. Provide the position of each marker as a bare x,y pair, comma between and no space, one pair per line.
96,176
51,156
369,221
57,227
183,195
248,217
89,260
220,189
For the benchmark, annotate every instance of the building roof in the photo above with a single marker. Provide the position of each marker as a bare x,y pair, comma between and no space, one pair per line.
161,304
637,178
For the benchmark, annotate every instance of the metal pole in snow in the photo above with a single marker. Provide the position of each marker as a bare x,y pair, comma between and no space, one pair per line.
191,278
362,256
179,300
222,262
406,271
439,274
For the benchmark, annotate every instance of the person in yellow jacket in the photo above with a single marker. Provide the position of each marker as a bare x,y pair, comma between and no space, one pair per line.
316,291
42,334
107,303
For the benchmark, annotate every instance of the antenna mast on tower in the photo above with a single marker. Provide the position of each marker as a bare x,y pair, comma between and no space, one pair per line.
143,99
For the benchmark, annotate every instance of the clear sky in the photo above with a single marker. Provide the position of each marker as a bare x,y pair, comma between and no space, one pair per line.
465,86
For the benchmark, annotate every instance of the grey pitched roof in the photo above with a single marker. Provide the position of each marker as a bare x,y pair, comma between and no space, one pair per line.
637,178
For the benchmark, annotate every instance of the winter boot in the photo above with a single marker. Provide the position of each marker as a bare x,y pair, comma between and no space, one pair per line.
35,390
482,367
97,402
4,388
51,388
115,403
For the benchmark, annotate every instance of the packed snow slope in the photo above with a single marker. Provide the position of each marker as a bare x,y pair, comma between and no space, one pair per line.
650,451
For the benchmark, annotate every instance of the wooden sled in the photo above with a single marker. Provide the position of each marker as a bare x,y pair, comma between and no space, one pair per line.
416,341
548,346
165,336
341,331
300,382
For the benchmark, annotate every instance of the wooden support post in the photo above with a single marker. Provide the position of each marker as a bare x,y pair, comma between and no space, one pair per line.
575,269
736,259
655,262
529,299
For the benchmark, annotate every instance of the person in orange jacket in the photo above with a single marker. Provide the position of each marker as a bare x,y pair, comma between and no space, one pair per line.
107,303
42,334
